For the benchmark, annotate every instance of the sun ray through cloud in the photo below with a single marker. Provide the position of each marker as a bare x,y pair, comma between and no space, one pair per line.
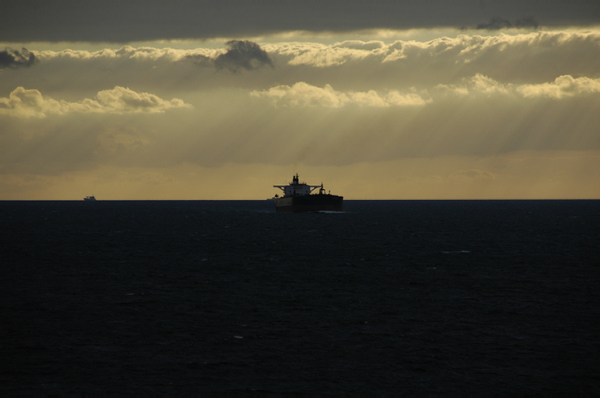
496,82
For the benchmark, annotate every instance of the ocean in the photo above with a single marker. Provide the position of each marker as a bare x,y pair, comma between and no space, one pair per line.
387,297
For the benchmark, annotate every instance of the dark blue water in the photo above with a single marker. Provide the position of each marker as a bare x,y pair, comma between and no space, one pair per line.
229,296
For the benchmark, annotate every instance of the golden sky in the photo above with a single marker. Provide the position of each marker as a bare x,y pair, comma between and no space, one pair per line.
507,108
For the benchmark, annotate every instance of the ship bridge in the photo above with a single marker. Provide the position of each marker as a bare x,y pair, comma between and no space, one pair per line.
296,188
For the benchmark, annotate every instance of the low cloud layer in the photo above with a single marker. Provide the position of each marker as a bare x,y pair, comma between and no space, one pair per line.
10,58
303,94
562,87
31,103
350,65
464,54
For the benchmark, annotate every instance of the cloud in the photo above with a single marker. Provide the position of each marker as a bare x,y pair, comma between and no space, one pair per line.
124,100
240,55
329,104
562,87
322,55
478,84
303,94
126,53
243,54
339,103
10,58
360,45
496,23
532,58
527,22
136,20
31,103
537,56
28,103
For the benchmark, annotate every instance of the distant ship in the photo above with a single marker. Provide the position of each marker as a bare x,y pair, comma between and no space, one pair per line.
297,197
89,199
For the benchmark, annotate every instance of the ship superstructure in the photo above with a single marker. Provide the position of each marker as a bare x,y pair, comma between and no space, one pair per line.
298,197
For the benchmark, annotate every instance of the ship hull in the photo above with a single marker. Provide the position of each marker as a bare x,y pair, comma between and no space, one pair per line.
307,203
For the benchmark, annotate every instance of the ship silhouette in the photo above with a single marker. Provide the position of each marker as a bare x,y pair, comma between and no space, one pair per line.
298,197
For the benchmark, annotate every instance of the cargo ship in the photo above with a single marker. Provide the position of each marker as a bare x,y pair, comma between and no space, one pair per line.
298,197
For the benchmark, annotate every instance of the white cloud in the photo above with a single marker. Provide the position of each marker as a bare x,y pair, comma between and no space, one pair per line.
321,55
563,87
304,94
124,100
128,52
462,49
518,58
351,65
478,84
31,103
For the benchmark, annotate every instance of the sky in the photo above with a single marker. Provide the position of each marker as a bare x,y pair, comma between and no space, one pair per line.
428,99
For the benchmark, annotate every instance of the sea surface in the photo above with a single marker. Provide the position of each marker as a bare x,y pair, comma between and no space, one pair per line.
387,297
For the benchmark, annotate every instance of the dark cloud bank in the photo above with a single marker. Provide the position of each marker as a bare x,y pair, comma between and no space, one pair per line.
133,20
241,54
500,23
10,58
